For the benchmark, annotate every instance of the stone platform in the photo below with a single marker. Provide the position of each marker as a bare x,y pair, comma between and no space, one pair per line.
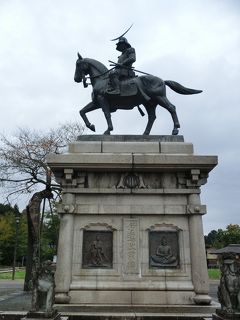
224,315
131,223
138,312
41,315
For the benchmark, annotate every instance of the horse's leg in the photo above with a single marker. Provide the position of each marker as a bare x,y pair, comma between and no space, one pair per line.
151,111
89,107
106,110
165,103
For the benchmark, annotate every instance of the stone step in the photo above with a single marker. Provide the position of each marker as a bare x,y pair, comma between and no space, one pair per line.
137,311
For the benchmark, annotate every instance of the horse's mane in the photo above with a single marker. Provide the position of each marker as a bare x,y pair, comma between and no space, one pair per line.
98,65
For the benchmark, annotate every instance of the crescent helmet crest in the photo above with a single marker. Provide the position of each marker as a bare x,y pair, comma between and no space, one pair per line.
123,33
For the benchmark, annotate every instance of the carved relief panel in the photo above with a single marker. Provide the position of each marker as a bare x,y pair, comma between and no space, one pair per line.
97,250
163,249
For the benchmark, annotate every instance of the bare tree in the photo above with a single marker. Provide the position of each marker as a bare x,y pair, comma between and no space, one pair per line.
23,170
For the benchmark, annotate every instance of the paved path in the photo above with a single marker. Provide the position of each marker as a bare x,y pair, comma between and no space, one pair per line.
10,288
213,289
12,297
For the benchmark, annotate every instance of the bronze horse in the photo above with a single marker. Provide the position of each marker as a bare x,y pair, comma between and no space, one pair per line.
147,90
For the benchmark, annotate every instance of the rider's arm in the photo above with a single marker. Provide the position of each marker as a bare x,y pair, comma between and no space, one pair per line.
130,57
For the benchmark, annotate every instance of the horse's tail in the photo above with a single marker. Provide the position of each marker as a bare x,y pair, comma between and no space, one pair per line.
177,87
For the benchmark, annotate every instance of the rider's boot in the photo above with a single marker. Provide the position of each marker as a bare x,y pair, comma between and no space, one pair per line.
115,89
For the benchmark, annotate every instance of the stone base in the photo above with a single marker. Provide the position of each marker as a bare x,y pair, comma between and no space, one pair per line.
12,315
53,315
202,299
224,315
139,312
62,298
130,298
126,201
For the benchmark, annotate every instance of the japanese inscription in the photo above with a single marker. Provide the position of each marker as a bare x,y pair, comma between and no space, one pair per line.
131,246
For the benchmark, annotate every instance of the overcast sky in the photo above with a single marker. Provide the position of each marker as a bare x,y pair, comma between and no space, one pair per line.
194,42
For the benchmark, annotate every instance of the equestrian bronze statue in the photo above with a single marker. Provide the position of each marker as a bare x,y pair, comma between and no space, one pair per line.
120,88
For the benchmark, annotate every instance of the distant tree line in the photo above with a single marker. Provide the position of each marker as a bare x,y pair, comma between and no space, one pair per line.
8,233
221,238
49,237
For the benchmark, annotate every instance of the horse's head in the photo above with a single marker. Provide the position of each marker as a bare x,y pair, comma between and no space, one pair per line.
93,68
81,69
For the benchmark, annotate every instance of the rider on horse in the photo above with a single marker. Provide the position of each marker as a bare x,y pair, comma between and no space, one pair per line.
123,70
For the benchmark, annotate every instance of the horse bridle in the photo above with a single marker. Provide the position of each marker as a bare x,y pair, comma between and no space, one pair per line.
85,84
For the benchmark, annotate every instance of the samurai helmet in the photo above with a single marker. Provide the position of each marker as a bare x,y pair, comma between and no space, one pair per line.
122,41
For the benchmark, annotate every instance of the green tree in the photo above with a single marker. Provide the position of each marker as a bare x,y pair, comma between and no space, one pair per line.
8,234
7,238
210,238
5,208
221,238
231,234
49,239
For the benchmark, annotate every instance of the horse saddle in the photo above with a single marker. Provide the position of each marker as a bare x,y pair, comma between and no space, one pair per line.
127,88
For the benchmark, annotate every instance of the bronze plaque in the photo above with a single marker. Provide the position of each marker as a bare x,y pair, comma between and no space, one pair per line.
163,249
97,249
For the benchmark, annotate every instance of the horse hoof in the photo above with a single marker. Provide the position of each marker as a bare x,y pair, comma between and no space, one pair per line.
107,132
175,132
92,127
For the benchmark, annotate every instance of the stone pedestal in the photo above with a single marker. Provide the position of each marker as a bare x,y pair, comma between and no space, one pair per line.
224,315
131,222
41,315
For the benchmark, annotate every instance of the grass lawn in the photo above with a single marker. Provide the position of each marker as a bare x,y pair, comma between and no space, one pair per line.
8,275
214,274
